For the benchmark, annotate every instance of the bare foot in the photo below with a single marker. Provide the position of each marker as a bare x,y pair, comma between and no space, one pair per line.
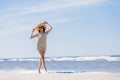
46,70
39,71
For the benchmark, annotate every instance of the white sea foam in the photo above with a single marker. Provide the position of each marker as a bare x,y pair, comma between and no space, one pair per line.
1,60
106,58
28,59
20,59
14,59
79,58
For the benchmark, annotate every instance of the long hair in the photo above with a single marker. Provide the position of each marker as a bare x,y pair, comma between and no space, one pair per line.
43,30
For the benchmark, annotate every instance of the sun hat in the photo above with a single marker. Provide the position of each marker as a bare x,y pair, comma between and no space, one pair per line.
40,25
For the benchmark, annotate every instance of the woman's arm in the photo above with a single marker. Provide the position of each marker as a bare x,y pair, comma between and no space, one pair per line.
49,28
33,36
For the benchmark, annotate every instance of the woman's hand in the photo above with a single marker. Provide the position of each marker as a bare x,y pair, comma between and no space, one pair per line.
33,30
45,22
32,33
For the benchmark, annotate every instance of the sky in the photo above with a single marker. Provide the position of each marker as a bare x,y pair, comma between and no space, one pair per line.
80,27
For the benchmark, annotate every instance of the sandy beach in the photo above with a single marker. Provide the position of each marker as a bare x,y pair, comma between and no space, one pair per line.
55,76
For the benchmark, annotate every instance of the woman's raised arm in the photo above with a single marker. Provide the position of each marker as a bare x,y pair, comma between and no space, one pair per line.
33,36
49,28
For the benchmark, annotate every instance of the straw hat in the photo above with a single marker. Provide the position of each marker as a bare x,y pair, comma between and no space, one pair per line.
40,25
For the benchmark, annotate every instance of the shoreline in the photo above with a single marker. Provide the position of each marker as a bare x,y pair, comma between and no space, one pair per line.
57,71
56,76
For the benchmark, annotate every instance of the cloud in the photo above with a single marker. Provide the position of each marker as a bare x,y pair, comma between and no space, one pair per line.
62,20
21,28
17,28
46,7
58,5
9,32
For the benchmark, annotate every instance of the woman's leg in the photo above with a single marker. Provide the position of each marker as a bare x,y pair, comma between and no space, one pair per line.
40,61
43,60
40,64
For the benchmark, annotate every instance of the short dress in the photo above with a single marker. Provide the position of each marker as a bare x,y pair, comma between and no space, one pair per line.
41,45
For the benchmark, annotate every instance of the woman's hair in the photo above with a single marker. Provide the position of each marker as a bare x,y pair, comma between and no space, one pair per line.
43,29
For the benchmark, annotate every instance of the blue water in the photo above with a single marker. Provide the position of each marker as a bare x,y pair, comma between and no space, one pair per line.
75,64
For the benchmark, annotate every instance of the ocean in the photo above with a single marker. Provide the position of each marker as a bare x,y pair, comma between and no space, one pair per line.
77,64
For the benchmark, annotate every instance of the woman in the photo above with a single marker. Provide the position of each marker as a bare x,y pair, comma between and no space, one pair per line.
41,45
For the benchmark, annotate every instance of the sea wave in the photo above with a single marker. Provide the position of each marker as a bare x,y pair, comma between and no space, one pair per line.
100,58
78,58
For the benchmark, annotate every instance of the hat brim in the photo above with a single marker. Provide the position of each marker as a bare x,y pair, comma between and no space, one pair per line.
40,25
